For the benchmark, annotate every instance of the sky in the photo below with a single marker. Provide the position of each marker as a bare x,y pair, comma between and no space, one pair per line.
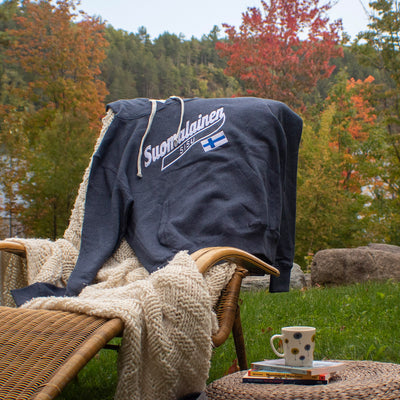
198,17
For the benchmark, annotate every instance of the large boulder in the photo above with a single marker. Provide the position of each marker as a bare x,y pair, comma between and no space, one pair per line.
376,262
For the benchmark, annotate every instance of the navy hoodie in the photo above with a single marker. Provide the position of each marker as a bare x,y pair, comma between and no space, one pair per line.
185,174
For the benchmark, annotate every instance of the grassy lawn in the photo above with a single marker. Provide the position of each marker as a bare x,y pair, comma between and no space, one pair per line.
360,322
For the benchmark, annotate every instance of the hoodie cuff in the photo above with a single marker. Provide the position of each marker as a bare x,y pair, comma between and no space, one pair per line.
38,289
281,283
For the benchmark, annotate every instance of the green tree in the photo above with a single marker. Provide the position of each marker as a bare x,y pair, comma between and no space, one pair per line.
326,214
168,45
11,77
120,68
52,130
340,160
379,47
169,65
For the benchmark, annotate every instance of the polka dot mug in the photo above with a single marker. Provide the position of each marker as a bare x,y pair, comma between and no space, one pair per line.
298,344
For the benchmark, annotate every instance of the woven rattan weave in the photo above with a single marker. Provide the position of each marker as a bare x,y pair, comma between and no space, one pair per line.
41,351
359,380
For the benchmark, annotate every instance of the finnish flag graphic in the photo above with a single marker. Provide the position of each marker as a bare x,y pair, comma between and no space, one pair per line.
214,141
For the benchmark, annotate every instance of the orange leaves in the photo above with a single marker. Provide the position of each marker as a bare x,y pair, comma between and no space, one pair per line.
353,122
63,54
364,114
283,52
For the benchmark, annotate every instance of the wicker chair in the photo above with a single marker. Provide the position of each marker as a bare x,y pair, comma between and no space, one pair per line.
41,351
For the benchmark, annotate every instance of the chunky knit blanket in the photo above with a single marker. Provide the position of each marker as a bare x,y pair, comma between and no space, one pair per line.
168,317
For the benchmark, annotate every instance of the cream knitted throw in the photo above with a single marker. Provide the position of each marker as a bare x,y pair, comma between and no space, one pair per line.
168,318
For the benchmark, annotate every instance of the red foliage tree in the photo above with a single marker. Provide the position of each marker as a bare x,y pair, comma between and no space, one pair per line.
284,53
354,132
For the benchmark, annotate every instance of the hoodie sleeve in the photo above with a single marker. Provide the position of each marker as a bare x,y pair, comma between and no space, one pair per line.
107,205
292,126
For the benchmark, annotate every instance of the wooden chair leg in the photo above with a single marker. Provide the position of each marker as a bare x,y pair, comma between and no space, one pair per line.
238,338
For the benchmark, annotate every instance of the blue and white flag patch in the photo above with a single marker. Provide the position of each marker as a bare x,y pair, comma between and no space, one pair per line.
214,141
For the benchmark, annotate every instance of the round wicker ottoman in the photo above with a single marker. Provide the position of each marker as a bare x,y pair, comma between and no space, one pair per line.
359,380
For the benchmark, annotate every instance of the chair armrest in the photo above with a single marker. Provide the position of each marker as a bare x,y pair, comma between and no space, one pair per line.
204,258
209,256
13,247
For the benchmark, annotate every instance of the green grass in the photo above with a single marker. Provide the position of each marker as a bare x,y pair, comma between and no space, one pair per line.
360,322
97,380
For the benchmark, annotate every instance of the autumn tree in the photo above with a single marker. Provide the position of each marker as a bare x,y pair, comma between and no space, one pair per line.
339,167
11,77
379,47
282,52
51,131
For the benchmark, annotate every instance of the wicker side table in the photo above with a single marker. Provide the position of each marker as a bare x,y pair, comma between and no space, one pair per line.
359,380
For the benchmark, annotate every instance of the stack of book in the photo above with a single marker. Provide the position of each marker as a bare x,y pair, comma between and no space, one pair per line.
276,372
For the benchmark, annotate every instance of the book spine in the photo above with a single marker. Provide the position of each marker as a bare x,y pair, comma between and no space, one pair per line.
287,370
287,375
285,381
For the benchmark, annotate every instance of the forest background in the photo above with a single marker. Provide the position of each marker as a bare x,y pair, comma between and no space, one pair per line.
59,67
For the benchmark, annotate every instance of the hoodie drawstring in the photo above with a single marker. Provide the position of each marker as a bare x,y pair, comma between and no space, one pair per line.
181,120
149,123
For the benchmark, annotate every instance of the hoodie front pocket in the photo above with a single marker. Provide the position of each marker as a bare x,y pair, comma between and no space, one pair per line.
215,204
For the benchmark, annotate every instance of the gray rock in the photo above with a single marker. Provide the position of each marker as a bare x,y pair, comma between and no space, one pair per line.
298,280
255,282
389,248
377,262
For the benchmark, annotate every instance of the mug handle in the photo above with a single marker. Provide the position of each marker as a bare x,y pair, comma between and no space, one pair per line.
273,347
